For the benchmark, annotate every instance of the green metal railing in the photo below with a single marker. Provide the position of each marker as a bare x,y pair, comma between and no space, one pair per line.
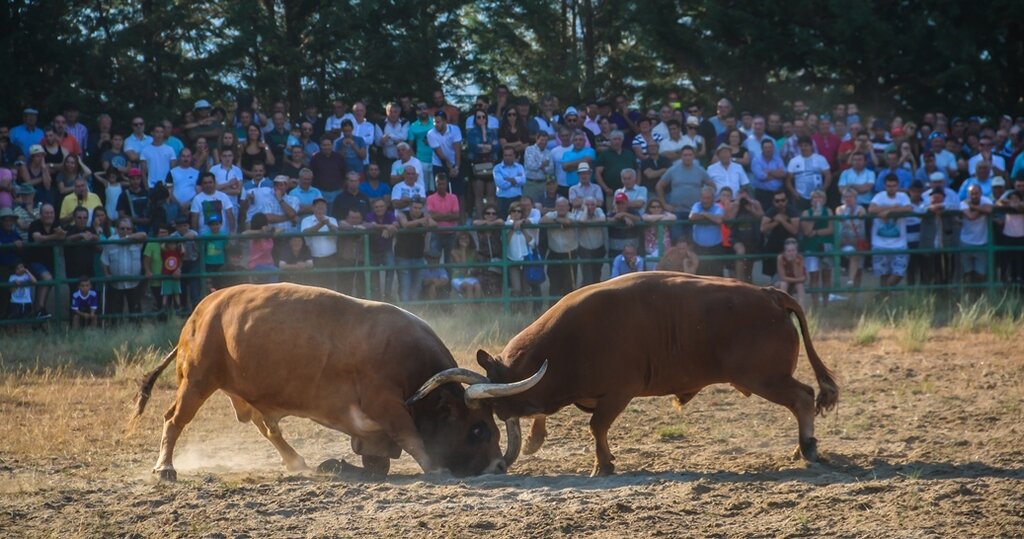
506,299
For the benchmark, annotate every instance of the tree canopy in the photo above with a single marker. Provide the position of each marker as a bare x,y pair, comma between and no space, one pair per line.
143,56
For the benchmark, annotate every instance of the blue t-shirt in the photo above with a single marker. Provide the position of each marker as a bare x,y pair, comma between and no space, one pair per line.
353,163
707,234
84,304
571,176
902,174
383,189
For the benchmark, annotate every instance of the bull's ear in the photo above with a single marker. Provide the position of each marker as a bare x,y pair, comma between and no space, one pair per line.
484,359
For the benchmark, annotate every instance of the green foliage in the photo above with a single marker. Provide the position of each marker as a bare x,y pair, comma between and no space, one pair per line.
124,57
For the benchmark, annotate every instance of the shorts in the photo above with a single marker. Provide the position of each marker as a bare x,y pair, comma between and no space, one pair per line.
38,270
459,281
19,310
974,262
884,264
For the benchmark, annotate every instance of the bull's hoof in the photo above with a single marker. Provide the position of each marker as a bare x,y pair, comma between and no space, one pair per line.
603,470
336,467
376,467
809,449
532,445
296,466
167,475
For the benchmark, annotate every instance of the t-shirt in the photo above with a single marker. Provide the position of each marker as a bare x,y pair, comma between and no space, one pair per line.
614,164
184,183
87,303
889,233
807,173
684,184
572,177
158,162
40,253
974,232
209,205
70,202
446,204
320,246
383,189
412,192
446,142
398,167
353,163
214,245
851,178
707,234
223,176
170,257
418,136
131,143
21,293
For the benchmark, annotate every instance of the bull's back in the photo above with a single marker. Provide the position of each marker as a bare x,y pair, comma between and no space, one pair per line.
284,339
656,333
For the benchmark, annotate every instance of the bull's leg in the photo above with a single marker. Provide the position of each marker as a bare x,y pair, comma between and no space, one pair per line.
605,413
270,429
799,398
392,414
187,402
538,433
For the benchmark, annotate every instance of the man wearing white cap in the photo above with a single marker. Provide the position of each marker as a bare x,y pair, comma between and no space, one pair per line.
27,134
205,125
585,189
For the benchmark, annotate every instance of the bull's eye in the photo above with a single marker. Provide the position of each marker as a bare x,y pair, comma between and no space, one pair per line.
479,433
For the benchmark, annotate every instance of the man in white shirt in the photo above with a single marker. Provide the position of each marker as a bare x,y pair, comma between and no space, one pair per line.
323,249
405,160
281,209
858,177
889,233
138,139
396,131
405,192
725,173
808,172
756,137
637,194
157,159
564,145
228,176
446,142
974,233
184,181
364,129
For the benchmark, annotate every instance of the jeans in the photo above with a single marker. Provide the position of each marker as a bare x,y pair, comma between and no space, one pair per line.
117,297
410,281
386,259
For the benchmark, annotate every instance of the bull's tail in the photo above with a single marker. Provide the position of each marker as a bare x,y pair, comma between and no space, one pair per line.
828,390
146,388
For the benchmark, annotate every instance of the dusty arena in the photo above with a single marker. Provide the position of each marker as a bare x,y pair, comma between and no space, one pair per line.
927,441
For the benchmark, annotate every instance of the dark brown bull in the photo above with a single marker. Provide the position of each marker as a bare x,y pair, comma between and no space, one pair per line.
288,350
656,333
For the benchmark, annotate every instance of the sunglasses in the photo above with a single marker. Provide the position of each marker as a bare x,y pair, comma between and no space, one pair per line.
490,213
511,114
480,116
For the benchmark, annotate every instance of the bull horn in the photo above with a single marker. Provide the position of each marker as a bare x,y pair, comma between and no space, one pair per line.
460,375
488,390
515,438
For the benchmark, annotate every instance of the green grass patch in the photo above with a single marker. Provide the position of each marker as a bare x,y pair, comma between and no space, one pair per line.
676,432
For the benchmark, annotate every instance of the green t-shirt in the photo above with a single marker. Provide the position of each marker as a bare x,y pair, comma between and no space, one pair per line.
156,263
614,164
215,249
418,136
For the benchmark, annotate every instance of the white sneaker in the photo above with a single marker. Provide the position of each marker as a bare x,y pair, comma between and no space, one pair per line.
836,297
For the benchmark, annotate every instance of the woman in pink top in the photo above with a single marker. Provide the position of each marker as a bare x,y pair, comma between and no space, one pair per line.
261,248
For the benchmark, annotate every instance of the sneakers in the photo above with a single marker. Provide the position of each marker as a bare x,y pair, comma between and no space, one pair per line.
836,297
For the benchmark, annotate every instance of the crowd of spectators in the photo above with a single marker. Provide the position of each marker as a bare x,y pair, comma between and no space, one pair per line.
266,197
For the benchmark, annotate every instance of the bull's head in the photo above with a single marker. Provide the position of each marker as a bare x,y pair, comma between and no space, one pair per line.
460,432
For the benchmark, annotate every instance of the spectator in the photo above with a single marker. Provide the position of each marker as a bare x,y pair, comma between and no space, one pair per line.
907,158
184,181
383,225
234,265
435,278
276,141
627,261
280,208
84,304
418,136
228,177
443,208
214,244
591,239
808,171
11,244
707,231
623,229
513,133
852,234
509,177
655,214
328,170
1012,203
889,233
446,142
859,178
306,193
562,145
654,167
308,140
462,279
571,160
255,152
693,139
189,263
323,249
609,165
405,160
124,262
396,131
157,159
210,204
352,198
295,260
27,134
405,193
744,234
974,233
206,124
293,162
80,197
636,194
938,231
261,249
982,178
409,248
737,151
137,140
39,258
584,188
36,174
546,203
21,293
903,177
816,230
780,222
373,187
725,173
792,275
171,254
679,257
673,142
985,154
353,149
755,141
70,170
643,137
539,166
80,250
350,255
562,245
683,181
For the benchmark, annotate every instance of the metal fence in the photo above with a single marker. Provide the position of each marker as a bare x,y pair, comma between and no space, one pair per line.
506,298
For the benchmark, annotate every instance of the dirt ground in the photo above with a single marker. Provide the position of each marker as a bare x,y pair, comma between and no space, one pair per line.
927,443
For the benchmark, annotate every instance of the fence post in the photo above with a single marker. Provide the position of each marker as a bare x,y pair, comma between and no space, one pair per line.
60,307
506,306
367,264
990,254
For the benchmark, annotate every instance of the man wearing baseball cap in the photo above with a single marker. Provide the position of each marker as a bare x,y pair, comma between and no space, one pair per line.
27,134
205,124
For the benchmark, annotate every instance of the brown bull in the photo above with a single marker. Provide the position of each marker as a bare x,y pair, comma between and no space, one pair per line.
288,350
656,333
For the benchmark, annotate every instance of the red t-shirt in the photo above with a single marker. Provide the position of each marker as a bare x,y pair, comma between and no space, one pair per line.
171,258
448,204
